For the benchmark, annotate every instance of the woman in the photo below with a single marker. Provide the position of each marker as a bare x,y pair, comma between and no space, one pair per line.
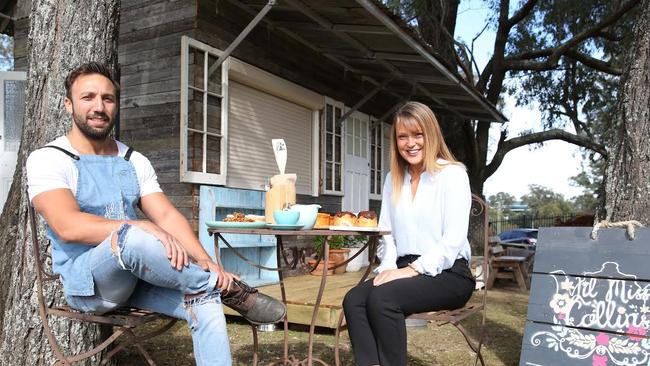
424,263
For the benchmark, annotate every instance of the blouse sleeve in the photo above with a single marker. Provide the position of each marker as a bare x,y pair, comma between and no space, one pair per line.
387,251
456,207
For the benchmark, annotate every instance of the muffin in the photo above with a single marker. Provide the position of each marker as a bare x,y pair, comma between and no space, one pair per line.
344,218
323,221
367,219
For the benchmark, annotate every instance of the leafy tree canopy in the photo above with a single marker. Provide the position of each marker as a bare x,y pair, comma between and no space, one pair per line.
561,56
543,201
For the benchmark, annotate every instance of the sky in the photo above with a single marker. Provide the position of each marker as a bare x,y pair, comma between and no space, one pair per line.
551,165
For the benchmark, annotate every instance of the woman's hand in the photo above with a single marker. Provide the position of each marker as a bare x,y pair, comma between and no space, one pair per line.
173,247
393,274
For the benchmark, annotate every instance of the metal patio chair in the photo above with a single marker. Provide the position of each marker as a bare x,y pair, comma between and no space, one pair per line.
123,320
454,317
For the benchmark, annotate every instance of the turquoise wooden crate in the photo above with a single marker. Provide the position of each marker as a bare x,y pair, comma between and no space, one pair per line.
214,204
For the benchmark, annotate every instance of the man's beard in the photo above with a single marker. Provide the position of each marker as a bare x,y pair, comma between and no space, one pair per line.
93,133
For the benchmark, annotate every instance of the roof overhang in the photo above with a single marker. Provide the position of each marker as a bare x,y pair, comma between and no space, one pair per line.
365,38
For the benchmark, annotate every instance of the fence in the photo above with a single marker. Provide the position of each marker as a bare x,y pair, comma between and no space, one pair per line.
529,221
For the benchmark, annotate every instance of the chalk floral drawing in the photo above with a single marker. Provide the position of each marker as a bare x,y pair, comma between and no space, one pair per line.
622,307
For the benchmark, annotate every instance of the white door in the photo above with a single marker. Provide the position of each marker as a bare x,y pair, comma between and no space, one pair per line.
12,111
357,166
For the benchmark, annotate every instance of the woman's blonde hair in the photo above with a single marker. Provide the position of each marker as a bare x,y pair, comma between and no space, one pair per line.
416,116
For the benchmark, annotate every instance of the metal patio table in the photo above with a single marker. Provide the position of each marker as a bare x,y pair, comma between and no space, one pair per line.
297,257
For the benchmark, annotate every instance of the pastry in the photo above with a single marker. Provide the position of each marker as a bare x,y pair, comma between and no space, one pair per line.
367,219
344,218
323,221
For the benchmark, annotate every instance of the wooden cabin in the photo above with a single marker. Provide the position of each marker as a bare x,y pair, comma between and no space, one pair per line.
207,127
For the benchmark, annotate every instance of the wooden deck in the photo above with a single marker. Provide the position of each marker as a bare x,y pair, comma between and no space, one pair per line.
301,294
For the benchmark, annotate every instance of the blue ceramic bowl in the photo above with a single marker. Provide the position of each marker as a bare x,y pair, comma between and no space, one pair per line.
286,217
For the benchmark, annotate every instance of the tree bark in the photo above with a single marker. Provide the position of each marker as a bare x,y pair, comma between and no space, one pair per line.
627,182
63,34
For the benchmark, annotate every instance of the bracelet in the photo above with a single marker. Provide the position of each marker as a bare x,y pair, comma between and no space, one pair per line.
414,267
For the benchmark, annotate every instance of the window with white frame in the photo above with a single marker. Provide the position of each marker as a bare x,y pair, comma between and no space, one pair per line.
204,114
332,132
376,158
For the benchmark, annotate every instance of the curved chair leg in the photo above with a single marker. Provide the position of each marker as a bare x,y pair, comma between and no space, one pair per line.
475,348
82,356
255,344
479,355
337,339
137,341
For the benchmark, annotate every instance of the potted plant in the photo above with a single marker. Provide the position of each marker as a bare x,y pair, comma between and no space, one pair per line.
354,244
337,255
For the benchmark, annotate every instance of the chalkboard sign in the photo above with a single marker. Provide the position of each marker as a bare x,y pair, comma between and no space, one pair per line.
589,300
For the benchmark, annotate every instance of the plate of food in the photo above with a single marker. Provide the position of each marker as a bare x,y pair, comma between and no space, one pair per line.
239,220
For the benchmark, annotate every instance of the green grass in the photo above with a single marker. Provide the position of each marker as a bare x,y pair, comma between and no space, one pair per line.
431,346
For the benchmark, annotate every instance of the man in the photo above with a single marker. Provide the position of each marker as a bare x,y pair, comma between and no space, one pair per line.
86,185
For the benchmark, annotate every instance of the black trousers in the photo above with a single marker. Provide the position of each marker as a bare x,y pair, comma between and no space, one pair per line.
375,315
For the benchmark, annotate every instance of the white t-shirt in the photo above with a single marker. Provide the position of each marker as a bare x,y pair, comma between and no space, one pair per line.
49,169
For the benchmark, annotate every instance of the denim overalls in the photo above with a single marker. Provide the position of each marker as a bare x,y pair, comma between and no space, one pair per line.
97,279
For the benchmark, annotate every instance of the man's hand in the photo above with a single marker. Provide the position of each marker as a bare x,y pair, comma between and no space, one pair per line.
224,278
393,274
175,252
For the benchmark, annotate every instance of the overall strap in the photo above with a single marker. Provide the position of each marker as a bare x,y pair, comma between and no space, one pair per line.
127,156
75,157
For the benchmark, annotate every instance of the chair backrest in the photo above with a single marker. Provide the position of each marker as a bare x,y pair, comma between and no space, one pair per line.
480,211
42,275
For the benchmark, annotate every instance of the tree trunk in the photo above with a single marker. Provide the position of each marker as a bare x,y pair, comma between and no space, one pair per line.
63,34
627,179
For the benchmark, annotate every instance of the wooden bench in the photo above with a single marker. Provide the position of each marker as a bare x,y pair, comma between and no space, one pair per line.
504,264
123,320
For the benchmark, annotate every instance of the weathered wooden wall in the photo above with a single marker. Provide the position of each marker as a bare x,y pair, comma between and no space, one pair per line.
149,56
21,30
149,51
375,205
328,203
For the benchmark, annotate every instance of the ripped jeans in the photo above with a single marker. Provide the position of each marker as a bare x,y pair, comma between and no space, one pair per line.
139,274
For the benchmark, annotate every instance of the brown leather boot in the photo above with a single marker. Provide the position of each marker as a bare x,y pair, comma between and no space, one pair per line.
253,305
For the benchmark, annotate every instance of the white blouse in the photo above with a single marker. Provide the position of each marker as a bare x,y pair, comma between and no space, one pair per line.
433,224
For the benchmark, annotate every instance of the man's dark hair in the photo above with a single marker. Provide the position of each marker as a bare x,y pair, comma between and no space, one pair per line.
90,68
